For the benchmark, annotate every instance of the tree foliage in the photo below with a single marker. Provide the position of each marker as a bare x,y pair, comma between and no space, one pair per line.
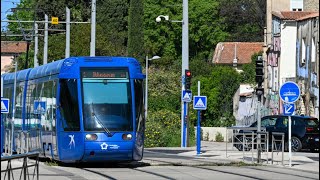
245,19
219,88
135,30
112,16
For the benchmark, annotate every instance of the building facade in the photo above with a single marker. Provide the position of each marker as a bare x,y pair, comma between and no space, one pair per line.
288,35
307,64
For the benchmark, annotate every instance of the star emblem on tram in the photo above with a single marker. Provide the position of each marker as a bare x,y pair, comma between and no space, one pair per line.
104,146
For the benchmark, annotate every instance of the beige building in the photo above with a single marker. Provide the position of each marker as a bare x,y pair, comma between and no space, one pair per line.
9,50
283,20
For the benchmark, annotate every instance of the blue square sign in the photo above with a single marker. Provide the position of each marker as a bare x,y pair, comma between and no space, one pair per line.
5,105
288,109
200,102
39,107
186,95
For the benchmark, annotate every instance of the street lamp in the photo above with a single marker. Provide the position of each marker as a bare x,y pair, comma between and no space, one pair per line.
146,98
158,19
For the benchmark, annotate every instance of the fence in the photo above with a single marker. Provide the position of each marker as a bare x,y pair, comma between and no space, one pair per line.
248,139
8,172
277,144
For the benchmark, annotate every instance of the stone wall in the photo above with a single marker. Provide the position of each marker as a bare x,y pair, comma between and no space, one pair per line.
209,133
310,5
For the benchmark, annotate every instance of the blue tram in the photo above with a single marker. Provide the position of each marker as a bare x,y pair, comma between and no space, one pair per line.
86,108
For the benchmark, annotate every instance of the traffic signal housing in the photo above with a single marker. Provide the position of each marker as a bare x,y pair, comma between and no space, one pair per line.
187,76
259,71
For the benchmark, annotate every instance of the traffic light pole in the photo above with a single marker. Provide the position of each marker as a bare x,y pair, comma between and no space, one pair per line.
259,93
185,59
259,130
185,120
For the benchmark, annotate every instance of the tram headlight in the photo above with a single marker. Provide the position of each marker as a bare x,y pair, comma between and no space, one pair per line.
126,136
91,137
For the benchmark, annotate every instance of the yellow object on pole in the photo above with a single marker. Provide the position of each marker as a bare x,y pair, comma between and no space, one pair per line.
54,20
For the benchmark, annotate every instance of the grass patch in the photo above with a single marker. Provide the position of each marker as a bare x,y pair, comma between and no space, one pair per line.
51,163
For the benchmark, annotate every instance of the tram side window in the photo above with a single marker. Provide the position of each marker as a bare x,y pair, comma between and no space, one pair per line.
139,104
46,119
54,94
69,105
8,94
30,116
18,107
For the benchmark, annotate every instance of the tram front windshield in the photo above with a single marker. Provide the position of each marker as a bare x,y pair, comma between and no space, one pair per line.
106,100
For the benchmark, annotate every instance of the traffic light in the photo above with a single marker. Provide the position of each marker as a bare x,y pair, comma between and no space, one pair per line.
259,71
187,75
259,93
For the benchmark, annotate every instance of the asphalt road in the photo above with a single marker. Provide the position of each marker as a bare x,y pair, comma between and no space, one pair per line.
165,164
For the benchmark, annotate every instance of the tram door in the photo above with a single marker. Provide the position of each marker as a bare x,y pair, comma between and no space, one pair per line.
70,139
140,120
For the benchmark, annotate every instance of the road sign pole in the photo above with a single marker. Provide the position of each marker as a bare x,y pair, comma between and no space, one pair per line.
1,86
198,134
259,130
184,125
289,93
289,139
198,126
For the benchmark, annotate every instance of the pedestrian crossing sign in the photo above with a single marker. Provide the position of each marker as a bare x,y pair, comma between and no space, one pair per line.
186,96
4,105
200,102
39,107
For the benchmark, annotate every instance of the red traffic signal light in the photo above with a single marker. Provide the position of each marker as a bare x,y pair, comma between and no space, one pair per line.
187,75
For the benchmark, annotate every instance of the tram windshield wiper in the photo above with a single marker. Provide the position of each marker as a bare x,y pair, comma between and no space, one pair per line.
98,120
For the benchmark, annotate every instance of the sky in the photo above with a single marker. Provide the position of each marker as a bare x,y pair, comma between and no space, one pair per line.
5,9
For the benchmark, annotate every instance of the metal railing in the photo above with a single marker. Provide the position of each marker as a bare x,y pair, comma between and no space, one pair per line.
277,144
247,140
24,168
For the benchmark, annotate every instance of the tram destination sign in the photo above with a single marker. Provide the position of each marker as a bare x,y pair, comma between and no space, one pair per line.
104,73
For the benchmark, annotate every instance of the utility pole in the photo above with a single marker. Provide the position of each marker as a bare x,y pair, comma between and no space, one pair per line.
185,65
67,54
93,28
45,45
35,58
27,55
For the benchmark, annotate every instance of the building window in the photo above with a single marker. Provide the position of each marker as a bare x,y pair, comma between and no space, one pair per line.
296,5
296,9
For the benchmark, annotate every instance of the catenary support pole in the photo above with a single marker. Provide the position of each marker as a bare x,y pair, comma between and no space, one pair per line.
45,45
67,53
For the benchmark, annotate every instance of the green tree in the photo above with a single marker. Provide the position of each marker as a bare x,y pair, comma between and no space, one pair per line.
245,19
112,16
249,71
23,12
219,89
164,38
135,30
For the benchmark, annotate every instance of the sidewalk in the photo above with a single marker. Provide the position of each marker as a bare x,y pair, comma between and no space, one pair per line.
215,153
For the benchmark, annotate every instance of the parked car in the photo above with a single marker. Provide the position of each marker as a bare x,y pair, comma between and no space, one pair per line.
304,131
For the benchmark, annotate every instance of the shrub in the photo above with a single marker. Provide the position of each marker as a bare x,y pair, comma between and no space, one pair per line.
219,137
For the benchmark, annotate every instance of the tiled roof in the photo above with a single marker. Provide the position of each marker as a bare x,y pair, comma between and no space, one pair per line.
312,15
225,52
13,47
293,15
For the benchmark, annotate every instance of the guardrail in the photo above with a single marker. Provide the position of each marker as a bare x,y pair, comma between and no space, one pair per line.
276,147
24,168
